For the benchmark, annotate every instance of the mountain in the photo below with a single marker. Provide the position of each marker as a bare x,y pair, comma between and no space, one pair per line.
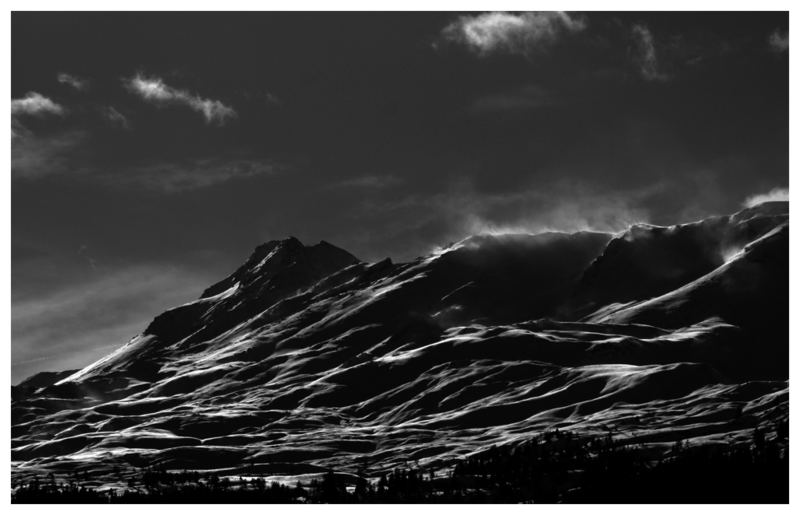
647,261
307,359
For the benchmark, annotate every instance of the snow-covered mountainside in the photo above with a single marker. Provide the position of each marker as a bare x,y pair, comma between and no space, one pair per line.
306,358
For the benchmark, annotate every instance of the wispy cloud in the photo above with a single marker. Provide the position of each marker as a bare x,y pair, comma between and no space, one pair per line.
523,99
35,104
154,90
173,177
371,182
775,194
779,41
645,55
33,156
73,81
114,117
526,33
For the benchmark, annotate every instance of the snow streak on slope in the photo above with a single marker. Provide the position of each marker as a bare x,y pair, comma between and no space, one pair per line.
306,358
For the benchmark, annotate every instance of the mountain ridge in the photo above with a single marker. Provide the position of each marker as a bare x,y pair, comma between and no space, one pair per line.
306,358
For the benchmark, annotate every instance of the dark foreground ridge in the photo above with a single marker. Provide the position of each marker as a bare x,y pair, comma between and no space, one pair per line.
434,378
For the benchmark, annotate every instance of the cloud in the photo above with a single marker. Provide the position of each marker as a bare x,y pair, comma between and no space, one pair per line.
192,174
36,157
645,54
271,99
371,181
114,117
33,156
526,98
501,32
73,81
154,90
34,104
779,41
775,194
70,153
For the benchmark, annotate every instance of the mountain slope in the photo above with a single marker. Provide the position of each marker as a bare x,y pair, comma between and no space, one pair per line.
646,261
306,358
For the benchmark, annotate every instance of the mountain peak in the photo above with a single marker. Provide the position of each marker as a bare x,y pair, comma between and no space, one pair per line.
265,248
275,256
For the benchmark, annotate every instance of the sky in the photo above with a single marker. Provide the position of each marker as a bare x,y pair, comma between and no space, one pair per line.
151,152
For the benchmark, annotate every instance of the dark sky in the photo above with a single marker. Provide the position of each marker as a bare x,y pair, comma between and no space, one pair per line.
152,152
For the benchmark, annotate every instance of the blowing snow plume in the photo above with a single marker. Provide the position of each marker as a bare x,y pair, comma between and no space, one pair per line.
773,195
